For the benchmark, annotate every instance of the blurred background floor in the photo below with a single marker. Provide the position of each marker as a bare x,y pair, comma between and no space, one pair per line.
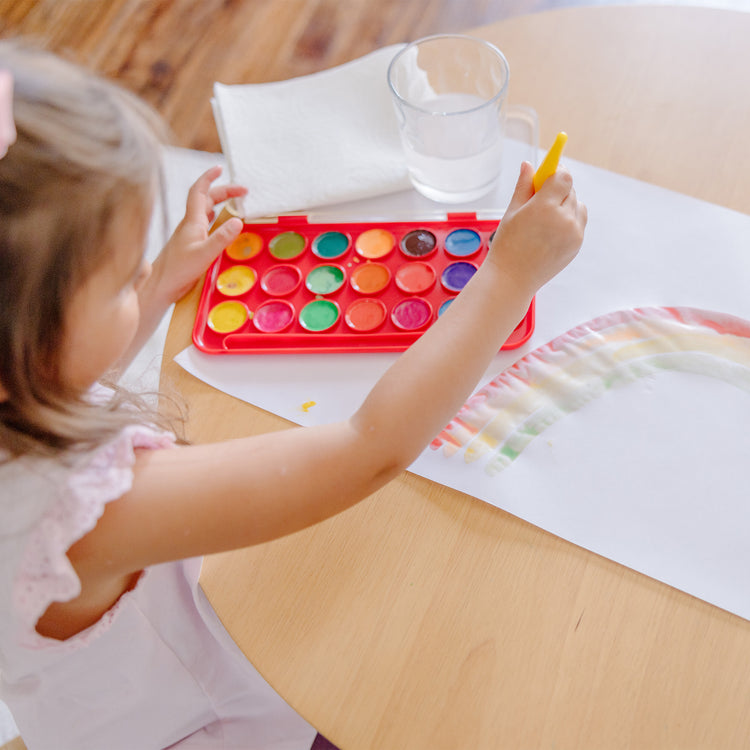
171,52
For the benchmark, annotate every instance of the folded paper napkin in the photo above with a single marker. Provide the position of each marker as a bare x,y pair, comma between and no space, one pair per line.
315,140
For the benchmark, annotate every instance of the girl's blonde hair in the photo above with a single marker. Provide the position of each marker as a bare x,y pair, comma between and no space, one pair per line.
86,150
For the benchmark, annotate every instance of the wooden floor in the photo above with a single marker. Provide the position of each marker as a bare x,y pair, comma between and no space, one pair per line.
171,51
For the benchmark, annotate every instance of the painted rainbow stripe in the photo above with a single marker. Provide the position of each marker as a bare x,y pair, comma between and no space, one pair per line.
568,372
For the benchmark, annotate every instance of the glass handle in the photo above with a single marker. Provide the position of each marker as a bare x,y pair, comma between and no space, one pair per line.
522,124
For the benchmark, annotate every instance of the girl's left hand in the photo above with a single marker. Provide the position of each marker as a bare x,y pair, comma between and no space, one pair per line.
191,249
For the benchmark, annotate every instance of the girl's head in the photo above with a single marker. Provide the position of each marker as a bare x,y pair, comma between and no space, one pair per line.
76,190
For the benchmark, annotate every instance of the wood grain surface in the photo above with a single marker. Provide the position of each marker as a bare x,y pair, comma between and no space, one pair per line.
172,51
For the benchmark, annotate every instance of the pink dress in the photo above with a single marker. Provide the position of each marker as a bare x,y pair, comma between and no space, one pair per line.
158,670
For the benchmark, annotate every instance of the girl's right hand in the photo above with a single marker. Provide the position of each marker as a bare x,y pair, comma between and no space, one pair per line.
540,233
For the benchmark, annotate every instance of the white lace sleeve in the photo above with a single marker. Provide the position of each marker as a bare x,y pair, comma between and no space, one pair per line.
45,574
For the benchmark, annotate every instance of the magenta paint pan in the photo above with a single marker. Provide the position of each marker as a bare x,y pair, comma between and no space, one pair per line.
281,280
412,313
274,316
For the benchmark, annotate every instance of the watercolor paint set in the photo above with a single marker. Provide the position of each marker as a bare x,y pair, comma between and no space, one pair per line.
291,285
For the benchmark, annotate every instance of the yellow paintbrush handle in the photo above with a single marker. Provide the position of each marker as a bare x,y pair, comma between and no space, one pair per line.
548,166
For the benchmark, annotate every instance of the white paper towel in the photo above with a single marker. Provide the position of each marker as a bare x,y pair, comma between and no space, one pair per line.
324,138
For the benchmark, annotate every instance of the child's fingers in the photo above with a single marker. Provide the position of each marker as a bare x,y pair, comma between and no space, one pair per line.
221,237
524,187
582,213
578,208
570,202
198,195
219,193
558,187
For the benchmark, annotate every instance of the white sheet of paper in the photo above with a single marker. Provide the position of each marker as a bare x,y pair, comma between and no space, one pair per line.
652,476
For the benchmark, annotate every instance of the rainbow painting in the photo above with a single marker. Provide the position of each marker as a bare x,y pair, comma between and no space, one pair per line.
609,352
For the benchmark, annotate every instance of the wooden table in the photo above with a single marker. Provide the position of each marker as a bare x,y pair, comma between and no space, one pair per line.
424,618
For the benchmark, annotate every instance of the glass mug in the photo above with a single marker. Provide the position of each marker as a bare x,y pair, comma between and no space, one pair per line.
449,92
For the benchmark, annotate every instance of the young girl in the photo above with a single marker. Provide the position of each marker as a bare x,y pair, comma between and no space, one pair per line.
106,642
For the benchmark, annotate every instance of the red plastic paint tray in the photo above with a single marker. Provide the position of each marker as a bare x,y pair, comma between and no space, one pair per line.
292,286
